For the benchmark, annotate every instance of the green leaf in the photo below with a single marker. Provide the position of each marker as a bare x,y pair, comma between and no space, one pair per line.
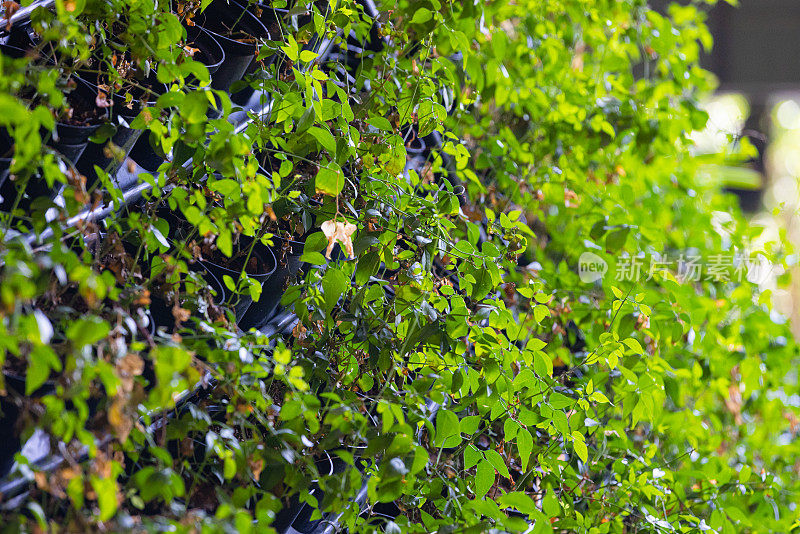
470,424
616,239
314,258
396,158
106,491
540,311
325,138
491,370
633,345
560,422
541,524
542,298
484,478
290,48
472,456
542,364
550,504
334,284
447,429
87,331
226,187
367,266
307,56
330,179
510,429
497,462
427,117
559,401
518,500
525,446
316,242
421,16
228,281
225,243
525,291
381,123
579,445
41,362
305,122
744,474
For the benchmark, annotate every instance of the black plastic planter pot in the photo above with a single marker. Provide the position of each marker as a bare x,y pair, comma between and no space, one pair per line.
237,31
287,255
161,304
299,513
5,164
21,36
270,17
297,517
144,153
123,138
30,186
11,50
260,263
260,267
71,139
10,444
6,154
210,52
417,149
212,55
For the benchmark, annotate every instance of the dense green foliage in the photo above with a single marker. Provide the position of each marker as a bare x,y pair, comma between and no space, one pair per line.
651,404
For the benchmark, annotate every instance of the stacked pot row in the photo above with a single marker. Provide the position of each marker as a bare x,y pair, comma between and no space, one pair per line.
226,38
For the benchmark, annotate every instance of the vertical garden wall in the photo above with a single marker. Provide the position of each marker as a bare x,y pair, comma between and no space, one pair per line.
421,266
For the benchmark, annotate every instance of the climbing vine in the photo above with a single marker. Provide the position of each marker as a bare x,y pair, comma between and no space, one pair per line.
323,265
